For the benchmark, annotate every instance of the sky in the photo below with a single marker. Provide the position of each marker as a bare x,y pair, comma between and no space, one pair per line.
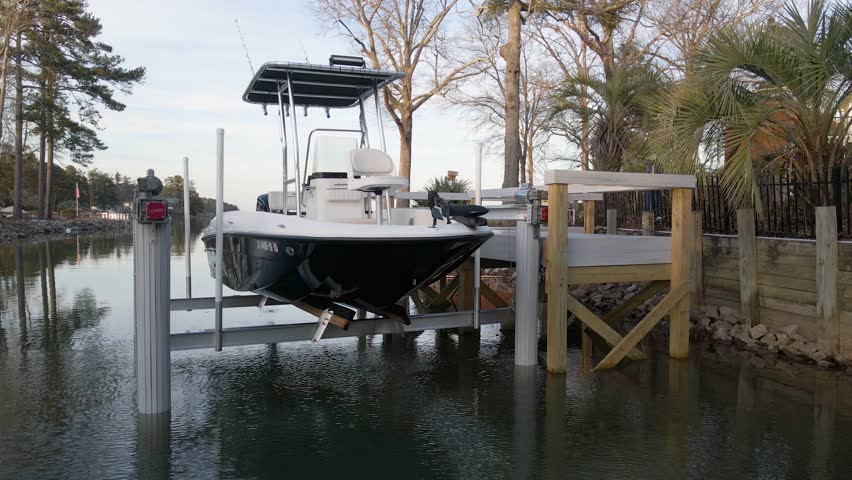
197,71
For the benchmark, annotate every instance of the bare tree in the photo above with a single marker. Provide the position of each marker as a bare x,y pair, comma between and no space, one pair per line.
485,95
409,36
685,25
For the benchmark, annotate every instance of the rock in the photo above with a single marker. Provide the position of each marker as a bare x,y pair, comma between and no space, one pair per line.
809,348
758,331
711,311
772,348
799,338
705,323
721,335
789,350
825,364
789,330
745,341
731,318
818,356
769,338
632,287
735,330
752,346
783,338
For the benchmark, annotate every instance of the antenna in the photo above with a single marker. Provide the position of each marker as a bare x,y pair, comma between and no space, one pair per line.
245,49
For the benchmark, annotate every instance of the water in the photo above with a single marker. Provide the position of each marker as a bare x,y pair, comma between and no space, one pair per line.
430,406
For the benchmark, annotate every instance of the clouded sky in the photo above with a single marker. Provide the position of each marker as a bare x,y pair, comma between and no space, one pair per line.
196,73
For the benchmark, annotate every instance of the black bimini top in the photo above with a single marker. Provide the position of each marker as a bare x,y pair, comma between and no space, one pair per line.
315,85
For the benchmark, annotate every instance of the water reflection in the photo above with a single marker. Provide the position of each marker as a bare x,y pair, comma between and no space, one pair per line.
435,405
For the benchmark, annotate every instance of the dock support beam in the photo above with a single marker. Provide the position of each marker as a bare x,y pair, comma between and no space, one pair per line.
828,315
682,221
151,281
556,264
526,294
749,289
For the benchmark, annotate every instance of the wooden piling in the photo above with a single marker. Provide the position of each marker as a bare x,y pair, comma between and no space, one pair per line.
647,223
588,216
749,289
828,315
556,264
612,221
682,220
697,265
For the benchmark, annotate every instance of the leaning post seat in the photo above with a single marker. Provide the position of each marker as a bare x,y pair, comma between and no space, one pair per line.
373,171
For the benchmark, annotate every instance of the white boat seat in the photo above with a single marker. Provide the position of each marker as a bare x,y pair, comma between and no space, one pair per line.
373,171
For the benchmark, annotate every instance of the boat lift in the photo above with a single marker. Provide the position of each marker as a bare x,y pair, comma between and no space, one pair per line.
586,258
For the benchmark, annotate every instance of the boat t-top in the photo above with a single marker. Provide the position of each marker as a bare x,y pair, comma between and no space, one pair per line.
327,239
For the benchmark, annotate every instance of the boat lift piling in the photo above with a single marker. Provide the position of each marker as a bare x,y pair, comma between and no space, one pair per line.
186,227
220,239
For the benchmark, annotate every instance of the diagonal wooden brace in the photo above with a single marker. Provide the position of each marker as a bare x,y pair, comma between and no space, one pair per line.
643,327
624,309
442,297
606,332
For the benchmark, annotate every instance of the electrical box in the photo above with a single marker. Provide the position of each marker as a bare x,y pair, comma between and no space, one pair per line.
152,210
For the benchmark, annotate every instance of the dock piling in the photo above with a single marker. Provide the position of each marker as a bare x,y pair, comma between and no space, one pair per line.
526,293
151,249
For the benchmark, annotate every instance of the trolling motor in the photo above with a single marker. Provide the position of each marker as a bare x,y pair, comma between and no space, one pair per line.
469,215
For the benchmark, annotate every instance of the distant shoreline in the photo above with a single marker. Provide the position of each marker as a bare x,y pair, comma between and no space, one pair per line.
15,230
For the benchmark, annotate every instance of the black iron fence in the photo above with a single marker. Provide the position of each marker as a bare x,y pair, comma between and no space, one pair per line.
786,210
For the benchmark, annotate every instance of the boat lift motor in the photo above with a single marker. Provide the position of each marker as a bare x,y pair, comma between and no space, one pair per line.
150,210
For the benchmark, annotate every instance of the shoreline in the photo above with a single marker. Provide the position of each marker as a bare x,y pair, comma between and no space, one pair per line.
17,230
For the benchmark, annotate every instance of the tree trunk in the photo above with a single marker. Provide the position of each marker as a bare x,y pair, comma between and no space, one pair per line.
511,53
522,167
530,170
48,179
41,154
405,138
19,131
3,72
42,147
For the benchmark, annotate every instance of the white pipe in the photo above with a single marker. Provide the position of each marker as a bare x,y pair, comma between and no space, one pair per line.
379,117
292,107
282,136
477,199
220,225
186,215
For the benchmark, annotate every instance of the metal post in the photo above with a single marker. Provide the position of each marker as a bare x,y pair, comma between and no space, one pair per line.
186,228
220,238
526,292
282,129
379,116
151,291
362,124
292,107
477,270
379,208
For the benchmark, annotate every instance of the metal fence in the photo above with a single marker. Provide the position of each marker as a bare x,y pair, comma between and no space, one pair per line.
787,205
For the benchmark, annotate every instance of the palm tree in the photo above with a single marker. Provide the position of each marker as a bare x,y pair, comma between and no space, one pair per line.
616,108
762,99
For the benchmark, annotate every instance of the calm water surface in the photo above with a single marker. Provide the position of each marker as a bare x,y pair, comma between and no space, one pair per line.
428,406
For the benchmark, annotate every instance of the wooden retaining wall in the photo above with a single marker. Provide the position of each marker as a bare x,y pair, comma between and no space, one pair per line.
786,282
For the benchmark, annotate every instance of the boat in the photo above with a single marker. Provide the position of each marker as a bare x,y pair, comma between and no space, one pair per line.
329,238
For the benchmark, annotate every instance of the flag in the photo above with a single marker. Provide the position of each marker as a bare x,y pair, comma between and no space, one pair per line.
76,190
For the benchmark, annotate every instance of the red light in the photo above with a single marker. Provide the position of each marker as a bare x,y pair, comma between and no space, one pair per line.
155,211
544,214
